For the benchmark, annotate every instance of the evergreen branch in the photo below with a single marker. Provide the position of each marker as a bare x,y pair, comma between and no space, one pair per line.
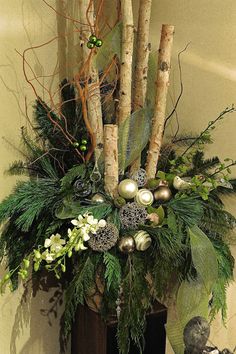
113,271
78,289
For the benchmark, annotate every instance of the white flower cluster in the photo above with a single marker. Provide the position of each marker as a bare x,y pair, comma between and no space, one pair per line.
57,247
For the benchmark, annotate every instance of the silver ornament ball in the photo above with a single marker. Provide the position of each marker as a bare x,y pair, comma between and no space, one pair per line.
126,244
98,198
128,188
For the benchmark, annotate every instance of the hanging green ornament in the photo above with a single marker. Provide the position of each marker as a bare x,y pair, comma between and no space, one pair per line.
76,144
90,45
83,148
93,39
84,141
99,43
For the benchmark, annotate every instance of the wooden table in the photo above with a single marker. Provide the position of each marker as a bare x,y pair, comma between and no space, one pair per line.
91,335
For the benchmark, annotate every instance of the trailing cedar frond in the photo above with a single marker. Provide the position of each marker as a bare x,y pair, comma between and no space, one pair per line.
113,271
79,288
132,320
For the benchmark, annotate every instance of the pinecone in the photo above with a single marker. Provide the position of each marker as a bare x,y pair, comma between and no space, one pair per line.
132,215
104,239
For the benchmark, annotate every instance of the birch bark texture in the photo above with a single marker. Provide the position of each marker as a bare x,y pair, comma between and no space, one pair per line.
126,61
162,83
87,18
141,67
111,159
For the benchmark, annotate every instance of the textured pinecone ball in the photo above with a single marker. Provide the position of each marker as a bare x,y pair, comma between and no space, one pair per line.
104,239
196,334
132,215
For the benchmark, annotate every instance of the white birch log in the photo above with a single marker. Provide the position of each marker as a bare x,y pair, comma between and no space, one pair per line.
94,97
111,158
126,61
162,83
141,67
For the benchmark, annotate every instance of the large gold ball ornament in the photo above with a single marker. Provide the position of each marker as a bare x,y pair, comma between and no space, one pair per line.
144,197
142,240
126,244
128,188
162,194
98,198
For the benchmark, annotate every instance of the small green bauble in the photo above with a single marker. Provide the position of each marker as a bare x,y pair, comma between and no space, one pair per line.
119,202
128,188
93,39
90,45
84,141
99,43
83,147
126,244
98,198
76,144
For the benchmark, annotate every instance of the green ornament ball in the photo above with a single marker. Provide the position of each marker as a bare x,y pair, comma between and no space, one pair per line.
93,39
76,144
99,43
152,183
90,45
84,141
83,148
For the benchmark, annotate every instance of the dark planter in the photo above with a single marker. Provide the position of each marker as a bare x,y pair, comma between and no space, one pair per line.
91,335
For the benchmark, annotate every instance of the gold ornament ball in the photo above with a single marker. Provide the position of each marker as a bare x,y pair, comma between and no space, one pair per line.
144,197
128,188
98,198
142,240
126,244
162,194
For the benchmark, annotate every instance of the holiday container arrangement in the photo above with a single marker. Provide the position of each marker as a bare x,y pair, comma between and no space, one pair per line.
123,216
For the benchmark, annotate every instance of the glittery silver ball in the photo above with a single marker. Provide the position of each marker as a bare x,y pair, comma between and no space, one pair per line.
132,215
104,239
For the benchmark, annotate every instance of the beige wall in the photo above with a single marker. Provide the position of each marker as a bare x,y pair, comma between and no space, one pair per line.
209,75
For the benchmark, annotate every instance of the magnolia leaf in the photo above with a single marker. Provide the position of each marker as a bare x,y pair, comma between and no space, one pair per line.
133,137
192,300
204,257
111,46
